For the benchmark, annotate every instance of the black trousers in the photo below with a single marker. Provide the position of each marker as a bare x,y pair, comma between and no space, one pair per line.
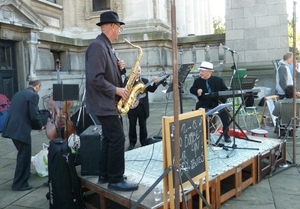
225,121
22,171
135,114
223,116
112,163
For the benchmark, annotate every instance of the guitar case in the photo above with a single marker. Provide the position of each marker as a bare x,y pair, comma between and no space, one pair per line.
64,183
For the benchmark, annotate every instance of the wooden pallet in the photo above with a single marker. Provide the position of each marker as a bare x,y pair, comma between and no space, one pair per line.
266,160
212,195
282,154
264,163
234,181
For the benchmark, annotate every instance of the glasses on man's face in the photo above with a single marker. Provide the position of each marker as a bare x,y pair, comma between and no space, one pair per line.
120,27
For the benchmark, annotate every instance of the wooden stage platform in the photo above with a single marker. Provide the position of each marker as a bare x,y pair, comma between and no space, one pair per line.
230,172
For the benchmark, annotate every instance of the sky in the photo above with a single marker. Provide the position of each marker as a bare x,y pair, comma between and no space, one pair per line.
219,10
290,8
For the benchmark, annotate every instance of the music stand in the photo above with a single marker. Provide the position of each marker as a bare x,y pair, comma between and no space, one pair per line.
65,92
183,72
215,111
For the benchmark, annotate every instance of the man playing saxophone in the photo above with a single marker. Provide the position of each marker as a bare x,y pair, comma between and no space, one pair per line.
103,90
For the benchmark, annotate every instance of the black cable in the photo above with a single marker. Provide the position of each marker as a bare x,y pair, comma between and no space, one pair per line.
143,160
166,108
143,172
232,151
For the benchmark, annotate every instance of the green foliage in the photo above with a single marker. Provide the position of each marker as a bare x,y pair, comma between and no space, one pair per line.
290,37
218,25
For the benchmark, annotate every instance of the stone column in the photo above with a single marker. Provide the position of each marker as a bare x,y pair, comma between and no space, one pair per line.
189,11
32,44
201,18
197,17
181,18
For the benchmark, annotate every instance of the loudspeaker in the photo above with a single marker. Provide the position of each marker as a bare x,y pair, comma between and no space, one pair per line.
85,120
89,151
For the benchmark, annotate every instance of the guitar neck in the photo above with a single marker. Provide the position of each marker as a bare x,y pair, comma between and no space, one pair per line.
148,84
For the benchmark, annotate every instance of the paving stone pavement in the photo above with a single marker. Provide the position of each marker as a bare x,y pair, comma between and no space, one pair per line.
282,191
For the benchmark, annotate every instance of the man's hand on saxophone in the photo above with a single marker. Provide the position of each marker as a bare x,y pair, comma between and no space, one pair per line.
121,64
122,92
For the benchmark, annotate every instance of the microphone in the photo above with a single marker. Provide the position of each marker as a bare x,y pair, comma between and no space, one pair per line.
228,49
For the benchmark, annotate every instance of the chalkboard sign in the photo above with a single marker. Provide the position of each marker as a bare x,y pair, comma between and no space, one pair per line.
191,146
192,152
192,141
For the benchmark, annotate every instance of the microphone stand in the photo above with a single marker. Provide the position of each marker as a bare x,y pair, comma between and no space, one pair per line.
233,68
81,110
234,146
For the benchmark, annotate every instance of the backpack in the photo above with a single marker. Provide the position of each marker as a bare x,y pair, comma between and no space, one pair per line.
64,183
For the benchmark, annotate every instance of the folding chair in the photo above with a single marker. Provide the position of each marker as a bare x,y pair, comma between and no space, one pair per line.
245,112
286,118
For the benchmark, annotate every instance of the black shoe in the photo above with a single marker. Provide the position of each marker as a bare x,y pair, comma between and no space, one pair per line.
131,147
123,186
104,179
22,188
227,139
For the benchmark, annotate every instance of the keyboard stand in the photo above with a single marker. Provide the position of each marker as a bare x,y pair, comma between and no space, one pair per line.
232,120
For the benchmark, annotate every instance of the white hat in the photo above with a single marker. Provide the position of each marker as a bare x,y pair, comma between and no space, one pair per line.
206,66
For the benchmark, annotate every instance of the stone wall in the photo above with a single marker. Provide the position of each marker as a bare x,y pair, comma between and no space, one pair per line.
157,57
257,30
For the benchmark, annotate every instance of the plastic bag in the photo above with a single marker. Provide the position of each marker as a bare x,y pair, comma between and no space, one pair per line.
74,143
40,161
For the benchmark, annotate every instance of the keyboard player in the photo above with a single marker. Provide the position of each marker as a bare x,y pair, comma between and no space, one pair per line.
207,83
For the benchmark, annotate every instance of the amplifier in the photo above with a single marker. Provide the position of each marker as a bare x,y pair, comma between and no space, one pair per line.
90,146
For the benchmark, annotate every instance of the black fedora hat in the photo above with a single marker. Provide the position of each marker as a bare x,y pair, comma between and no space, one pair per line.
109,17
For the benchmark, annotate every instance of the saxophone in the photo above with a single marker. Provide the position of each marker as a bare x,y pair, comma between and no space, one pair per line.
123,106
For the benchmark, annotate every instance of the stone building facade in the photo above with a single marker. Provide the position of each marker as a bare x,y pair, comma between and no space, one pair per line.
34,33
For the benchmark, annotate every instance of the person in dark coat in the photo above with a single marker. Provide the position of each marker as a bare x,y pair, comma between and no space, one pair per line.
23,114
140,112
207,83
103,90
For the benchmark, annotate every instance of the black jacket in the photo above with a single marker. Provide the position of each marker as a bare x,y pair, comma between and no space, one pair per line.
102,78
145,100
215,84
23,112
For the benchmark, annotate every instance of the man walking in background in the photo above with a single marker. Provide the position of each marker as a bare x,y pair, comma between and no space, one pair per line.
23,114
